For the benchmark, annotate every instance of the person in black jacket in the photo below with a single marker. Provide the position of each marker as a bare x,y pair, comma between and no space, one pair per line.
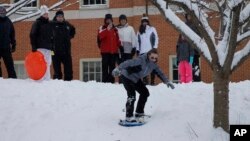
41,38
7,42
63,32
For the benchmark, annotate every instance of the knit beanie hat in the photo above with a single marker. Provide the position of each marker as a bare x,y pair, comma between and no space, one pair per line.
108,16
60,12
144,18
44,9
122,17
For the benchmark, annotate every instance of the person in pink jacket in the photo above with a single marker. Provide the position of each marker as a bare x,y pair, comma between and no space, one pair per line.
185,55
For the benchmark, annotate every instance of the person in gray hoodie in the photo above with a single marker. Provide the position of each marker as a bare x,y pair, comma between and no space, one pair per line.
131,73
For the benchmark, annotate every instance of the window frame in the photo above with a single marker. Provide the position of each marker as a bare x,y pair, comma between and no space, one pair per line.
21,63
31,7
171,69
94,6
81,69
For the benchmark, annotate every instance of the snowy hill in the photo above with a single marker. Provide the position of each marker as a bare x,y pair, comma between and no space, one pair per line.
76,111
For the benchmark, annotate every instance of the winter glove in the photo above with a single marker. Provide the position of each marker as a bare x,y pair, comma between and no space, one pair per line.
191,60
121,49
13,48
133,51
116,72
170,84
137,52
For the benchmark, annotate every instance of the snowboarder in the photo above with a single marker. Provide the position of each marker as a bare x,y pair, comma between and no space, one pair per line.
131,72
7,42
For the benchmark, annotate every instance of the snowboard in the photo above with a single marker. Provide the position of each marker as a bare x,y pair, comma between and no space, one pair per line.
123,122
139,122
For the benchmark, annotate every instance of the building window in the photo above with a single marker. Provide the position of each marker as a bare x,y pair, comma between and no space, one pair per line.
94,3
91,69
32,4
174,75
20,70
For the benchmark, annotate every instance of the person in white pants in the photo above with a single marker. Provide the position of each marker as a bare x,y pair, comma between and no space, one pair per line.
41,38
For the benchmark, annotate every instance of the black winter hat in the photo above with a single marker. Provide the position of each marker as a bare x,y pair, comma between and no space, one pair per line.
108,16
60,12
122,17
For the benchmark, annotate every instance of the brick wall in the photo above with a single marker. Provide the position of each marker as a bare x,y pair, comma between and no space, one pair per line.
84,44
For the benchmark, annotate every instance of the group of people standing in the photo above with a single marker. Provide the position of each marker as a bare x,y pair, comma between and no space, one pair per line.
120,43
51,38
117,44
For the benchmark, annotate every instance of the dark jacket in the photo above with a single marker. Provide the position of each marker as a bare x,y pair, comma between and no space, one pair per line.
41,34
184,51
63,32
136,69
7,33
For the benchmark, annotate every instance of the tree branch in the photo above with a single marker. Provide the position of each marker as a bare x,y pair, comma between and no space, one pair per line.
241,37
38,12
232,43
240,57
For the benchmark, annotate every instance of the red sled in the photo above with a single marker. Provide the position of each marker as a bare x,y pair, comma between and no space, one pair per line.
35,65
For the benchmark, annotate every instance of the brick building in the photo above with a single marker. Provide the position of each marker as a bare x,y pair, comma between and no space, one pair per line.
88,17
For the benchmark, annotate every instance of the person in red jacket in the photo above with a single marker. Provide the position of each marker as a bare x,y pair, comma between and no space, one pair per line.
109,44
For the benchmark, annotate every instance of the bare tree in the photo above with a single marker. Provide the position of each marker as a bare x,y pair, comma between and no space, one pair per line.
220,53
22,12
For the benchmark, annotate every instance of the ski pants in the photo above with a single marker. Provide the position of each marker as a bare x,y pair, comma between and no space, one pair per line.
131,89
66,60
108,65
8,61
185,71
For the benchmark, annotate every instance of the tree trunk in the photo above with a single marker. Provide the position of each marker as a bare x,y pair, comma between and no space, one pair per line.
221,99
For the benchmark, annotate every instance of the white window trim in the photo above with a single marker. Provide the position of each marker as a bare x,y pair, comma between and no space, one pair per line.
20,62
30,8
86,60
89,7
171,67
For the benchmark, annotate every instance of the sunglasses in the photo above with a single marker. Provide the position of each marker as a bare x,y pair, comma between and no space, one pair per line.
153,58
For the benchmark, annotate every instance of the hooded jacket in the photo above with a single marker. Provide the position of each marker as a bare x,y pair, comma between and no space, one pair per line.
127,37
108,40
136,69
63,32
41,35
184,51
147,40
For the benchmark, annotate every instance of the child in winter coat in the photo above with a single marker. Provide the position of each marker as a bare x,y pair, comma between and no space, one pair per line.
185,55
132,72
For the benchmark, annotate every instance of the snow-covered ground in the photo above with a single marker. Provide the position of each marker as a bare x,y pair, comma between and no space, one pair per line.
76,111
